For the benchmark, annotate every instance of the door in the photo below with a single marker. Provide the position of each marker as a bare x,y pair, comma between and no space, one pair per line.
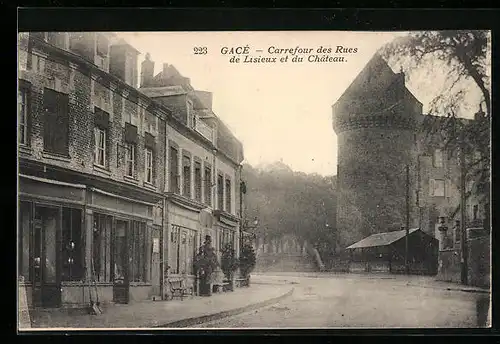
120,259
46,281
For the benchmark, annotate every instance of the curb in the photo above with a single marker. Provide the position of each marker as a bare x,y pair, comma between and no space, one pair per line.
224,314
479,291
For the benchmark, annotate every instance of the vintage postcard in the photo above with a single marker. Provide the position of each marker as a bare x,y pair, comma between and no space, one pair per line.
266,179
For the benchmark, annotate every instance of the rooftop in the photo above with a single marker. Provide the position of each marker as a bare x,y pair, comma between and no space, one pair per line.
381,239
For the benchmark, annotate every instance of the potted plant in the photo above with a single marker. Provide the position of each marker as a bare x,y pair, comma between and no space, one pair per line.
205,264
229,264
247,262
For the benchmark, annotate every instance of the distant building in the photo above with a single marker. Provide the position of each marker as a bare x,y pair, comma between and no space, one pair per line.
381,130
112,181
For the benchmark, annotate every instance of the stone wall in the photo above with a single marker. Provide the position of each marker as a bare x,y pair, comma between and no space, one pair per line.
479,273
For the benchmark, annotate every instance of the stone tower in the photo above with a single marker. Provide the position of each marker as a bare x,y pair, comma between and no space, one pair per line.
375,123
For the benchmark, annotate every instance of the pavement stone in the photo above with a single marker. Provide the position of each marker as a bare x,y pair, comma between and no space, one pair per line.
151,314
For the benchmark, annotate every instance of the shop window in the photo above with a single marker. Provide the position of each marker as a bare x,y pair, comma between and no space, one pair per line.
100,147
25,211
186,176
228,195
131,160
56,124
220,192
226,237
197,181
149,166
138,256
208,185
22,101
101,247
72,245
174,170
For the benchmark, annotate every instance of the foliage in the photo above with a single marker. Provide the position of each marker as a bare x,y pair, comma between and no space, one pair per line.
205,261
247,260
229,262
463,57
288,202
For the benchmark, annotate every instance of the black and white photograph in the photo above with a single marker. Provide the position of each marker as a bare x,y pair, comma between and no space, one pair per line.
253,180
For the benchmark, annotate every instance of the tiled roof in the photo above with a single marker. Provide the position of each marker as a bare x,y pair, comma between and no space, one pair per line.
381,239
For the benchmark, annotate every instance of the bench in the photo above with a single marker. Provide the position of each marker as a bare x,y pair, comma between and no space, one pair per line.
179,287
220,286
241,282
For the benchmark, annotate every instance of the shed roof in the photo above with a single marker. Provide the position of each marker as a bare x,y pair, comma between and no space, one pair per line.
381,239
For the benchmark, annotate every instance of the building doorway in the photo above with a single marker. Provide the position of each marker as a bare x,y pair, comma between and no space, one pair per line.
120,259
46,277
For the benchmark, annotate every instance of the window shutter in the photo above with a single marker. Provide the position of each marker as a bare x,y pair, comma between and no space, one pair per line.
101,118
130,133
431,187
149,141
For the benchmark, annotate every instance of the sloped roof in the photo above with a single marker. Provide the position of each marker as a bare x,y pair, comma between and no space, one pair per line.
375,77
165,91
381,239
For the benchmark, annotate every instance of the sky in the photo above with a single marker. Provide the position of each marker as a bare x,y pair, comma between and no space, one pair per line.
279,111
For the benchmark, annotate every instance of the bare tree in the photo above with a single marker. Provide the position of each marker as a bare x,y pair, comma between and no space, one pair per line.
464,57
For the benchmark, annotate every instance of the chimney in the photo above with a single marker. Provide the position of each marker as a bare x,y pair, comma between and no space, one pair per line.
147,71
165,70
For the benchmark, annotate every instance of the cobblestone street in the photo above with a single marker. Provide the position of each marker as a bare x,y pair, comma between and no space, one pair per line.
352,301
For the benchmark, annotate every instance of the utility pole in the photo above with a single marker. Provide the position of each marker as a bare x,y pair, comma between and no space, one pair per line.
463,233
407,226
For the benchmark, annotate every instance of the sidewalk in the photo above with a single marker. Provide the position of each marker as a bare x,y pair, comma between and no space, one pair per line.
165,314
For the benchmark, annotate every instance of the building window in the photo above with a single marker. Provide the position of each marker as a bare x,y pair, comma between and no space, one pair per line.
208,185
22,101
186,176
220,192
174,170
138,262
101,247
56,124
149,166
197,181
130,161
438,158
228,195
437,187
24,232
72,245
100,147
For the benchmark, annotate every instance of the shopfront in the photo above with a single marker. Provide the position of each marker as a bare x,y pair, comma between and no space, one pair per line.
51,239
121,231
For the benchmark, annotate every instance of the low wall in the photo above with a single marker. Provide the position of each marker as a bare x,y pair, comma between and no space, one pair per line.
478,262
449,265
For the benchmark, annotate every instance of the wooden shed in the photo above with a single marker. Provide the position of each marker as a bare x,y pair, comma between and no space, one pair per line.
385,252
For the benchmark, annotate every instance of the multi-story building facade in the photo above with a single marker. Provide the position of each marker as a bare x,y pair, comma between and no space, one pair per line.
94,167
381,133
203,169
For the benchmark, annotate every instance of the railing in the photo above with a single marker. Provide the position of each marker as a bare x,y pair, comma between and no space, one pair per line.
205,130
